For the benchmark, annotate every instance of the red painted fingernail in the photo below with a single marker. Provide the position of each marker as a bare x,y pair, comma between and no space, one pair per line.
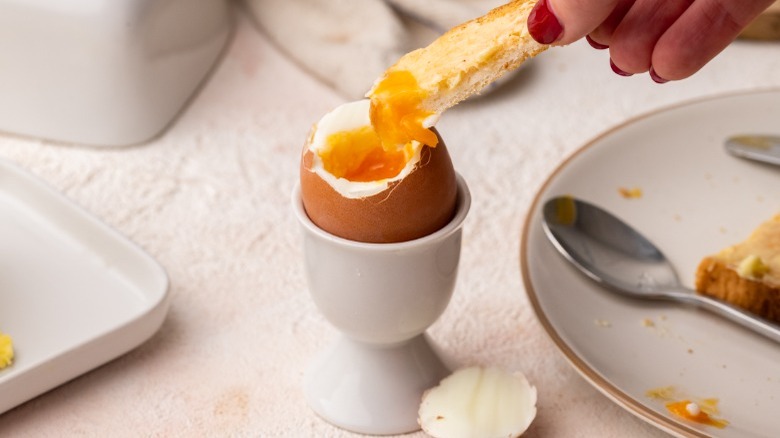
617,69
657,79
594,44
543,26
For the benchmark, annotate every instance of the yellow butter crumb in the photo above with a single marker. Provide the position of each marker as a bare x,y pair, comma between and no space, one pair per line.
6,351
752,267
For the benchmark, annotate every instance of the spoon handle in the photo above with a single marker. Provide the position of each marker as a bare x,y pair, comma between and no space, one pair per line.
739,316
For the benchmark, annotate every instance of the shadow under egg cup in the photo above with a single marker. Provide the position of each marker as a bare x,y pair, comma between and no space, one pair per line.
382,298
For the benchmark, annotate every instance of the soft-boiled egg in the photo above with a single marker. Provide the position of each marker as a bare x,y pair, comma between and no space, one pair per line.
356,188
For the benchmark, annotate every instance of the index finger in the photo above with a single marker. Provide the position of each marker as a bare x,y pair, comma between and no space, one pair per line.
562,22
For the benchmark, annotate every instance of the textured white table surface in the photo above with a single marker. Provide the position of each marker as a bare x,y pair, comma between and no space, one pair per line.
209,199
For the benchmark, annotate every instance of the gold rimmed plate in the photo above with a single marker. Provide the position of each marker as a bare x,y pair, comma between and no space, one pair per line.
668,175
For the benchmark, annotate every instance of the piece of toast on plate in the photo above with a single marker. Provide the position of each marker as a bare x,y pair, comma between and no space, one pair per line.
746,274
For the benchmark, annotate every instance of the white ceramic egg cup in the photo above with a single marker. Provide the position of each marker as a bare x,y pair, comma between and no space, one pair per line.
382,298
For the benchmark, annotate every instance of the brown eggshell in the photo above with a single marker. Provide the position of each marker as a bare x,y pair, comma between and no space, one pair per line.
411,208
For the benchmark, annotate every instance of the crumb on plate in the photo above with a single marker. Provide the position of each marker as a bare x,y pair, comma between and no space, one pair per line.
633,193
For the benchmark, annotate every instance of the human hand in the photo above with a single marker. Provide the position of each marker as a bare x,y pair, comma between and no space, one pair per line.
672,39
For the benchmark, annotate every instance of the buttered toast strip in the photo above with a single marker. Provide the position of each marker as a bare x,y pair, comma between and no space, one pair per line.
468,57
411,94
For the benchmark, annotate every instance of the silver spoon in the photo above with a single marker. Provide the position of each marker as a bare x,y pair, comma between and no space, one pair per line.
615,255
764,148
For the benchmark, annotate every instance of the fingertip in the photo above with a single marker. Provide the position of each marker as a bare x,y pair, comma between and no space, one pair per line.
656,77
543,25
562,22
617,69
673,62
595,44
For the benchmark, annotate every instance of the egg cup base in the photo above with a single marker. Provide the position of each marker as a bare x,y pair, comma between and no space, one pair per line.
370,390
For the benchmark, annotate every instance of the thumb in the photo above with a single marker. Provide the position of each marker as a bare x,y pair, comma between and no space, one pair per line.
562,22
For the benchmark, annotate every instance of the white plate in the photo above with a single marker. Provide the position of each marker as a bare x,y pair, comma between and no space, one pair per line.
74,293
695,200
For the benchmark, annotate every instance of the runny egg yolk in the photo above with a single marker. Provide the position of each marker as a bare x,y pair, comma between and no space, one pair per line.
396,111
381,150
357,155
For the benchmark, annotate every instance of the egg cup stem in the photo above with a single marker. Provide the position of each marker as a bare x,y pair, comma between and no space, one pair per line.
382,298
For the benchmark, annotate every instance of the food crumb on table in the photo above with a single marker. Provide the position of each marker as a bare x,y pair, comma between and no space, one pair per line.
6,351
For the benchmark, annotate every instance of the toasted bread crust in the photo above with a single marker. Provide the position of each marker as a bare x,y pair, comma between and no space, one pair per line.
732,276
715,279
470,56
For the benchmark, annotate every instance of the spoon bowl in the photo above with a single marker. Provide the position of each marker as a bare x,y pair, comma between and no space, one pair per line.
615,255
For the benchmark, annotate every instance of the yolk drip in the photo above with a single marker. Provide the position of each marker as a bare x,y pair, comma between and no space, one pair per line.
358,156
396,111
681,409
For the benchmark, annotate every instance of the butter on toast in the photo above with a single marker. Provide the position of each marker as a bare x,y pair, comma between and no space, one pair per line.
411,94
746,274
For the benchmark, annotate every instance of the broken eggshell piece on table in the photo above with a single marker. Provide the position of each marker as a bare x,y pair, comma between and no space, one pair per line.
485,402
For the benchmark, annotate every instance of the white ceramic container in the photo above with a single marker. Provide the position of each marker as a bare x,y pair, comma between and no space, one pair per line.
104,72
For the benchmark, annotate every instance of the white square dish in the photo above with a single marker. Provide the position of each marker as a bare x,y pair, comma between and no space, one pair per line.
74,293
